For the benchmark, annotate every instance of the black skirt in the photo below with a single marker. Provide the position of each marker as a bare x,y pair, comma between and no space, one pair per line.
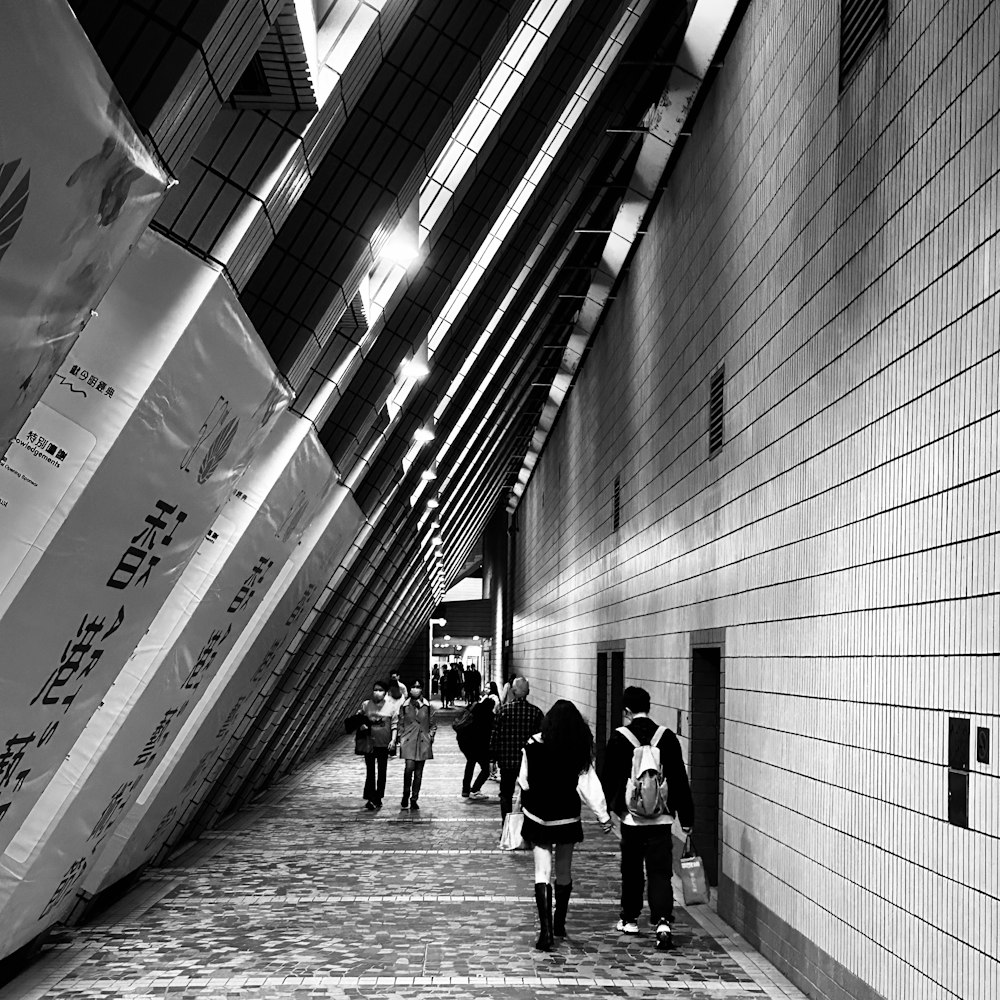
539,835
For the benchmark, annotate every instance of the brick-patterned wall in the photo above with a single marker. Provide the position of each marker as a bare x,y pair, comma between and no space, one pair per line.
837,252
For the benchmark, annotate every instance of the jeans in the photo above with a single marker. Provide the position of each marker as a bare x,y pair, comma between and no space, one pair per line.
508,778
652,847
375,788
413,774
484,772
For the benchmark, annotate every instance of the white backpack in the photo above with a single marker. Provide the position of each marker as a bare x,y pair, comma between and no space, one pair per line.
646,788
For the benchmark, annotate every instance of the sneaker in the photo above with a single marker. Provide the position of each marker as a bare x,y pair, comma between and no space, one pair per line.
378,805
476,795
413,805
371,807
627,926
405,804
664,937
465,795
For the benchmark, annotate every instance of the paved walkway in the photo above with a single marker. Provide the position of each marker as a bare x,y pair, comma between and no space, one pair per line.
306,895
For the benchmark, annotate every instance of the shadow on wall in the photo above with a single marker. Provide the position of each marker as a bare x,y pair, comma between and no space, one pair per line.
749,917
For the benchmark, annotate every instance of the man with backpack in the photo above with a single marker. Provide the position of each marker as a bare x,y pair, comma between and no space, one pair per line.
646,784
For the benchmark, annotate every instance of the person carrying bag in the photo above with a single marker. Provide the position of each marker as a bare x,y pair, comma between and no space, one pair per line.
374,729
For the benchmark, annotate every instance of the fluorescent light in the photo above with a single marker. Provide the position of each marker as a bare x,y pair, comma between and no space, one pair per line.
425,432
417,365
429,474
433,503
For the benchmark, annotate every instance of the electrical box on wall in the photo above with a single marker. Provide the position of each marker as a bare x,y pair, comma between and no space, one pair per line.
959,734
982,745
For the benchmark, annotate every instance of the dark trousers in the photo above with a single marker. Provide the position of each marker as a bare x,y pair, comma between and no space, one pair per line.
508,778
413,775
375,787
650,847
484,772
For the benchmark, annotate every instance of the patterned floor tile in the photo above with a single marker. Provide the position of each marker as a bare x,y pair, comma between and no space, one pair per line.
308,896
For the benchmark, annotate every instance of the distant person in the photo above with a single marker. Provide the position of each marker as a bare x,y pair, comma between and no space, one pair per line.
416,728
397,690
556,770
647,813
474,742
516,722
508,687
457,681
373,739
473,684
447,690
493,694
435,680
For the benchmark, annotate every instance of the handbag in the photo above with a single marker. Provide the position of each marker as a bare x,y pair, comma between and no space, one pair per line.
353,722
510,836
691,872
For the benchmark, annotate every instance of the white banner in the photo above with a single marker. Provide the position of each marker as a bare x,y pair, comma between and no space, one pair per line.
182,782
152,698
77,187
121,549
46,457
96,391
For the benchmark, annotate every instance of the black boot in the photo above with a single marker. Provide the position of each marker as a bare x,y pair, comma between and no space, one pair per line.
562,905
543,900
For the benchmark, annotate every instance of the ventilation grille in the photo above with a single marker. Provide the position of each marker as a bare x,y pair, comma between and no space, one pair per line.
861,22
617,516
716,410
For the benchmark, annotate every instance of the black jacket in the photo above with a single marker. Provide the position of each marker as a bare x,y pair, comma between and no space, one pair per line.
474,739
618,767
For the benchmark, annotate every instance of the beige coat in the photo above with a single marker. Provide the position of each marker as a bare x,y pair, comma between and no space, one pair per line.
416,729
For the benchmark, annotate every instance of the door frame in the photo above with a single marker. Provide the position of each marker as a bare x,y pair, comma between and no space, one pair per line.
711,638
607,649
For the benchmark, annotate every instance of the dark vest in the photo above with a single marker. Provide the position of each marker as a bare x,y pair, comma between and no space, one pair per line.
551,794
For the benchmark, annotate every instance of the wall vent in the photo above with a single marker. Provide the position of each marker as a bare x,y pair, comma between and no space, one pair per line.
861,22
716,410
616,518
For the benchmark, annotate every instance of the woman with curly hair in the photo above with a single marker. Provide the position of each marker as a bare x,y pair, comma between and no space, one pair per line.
557,768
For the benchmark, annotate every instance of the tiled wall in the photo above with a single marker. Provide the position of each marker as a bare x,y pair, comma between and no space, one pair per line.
838,253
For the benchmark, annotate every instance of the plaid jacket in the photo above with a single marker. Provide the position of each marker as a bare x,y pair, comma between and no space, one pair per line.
514,725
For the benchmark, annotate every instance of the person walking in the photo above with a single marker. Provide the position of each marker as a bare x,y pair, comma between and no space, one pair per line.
517,721
557,769
372,740
396,692
647,808
474,741
416,728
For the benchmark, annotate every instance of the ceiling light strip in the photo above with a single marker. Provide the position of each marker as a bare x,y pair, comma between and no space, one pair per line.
534,176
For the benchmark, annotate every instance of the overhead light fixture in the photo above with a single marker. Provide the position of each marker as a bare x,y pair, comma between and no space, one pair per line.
433,503
446,638
429,474
403,246
425,432
437,540
417,365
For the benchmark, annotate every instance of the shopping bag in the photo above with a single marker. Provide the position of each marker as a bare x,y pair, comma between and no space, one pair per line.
510,838
691,872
